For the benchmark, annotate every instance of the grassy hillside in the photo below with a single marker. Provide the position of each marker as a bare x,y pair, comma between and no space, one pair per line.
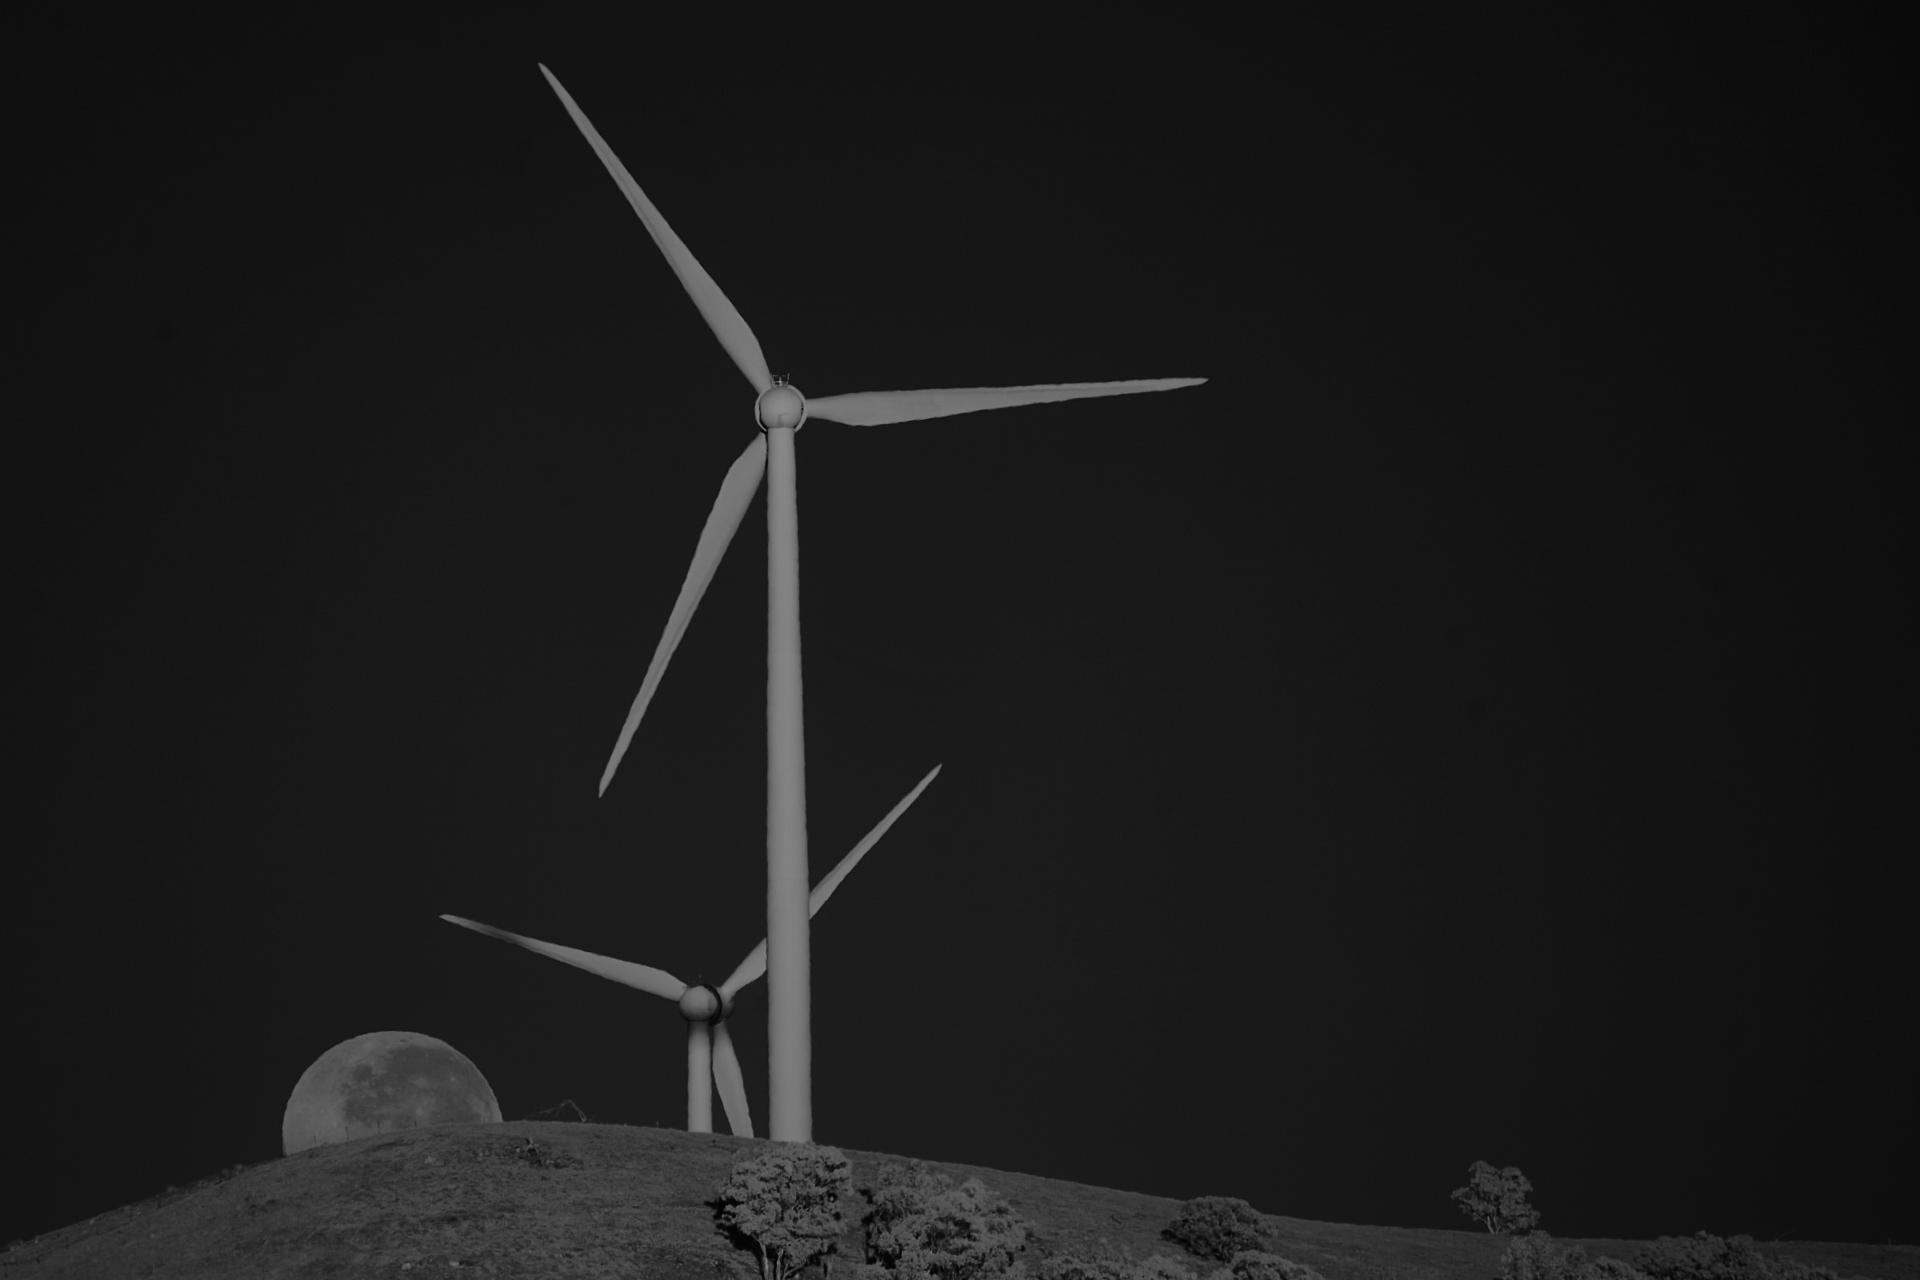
557,1200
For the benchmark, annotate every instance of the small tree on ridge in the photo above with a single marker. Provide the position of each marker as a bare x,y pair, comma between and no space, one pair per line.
1497,1199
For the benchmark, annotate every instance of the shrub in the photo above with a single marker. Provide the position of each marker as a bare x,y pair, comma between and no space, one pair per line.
1110,1263
1497,1199
1702,1257
1709,1257
922,1227
1106,1264
1533,1257
1794,1269
1215,1227
786,1203
1256,1264
1606,1268
1158,1266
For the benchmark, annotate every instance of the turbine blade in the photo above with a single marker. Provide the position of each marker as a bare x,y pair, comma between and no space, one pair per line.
755,964
878,408
732,1085
736,492
831,881
699,1079
721,315
638,976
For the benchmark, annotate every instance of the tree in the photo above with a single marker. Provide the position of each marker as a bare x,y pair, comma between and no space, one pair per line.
922,1227
1497,1199
786,1203
1216,1227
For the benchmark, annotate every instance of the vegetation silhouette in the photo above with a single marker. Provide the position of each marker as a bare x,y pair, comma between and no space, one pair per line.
564,1199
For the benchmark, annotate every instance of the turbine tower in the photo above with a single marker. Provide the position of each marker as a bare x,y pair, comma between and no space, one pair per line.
705,1007
780,411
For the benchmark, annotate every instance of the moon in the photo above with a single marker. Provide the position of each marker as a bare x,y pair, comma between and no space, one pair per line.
382,1081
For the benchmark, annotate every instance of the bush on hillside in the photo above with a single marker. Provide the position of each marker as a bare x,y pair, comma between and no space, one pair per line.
1497,1199
922,1227
1794,1269
1257,1264
1535,1257
1702,1256
1109,1263
1608,1268
787,1205
1215,1227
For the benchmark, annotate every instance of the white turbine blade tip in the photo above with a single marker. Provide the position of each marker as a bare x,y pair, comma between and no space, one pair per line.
831,881
754,966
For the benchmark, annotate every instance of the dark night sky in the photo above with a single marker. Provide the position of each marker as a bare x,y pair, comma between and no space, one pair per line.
1460,730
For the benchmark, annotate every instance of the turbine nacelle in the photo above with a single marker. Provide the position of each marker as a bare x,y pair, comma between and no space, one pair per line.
780,405
704,1003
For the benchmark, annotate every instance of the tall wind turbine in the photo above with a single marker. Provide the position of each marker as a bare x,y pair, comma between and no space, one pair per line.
780,411
705,1007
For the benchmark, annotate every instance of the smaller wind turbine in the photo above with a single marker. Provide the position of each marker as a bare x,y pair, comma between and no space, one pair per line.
706,1007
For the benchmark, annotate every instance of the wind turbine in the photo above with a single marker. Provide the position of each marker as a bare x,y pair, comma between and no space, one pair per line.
705,1007
780,411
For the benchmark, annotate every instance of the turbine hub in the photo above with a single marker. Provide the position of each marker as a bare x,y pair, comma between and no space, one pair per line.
780,405
703,1004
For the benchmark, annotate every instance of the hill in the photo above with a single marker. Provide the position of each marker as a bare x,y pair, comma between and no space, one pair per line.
560,1201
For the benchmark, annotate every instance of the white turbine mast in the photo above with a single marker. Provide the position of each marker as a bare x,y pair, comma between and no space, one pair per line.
705,1007
780,411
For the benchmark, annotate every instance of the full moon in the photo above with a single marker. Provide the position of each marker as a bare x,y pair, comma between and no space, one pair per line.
382,1081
